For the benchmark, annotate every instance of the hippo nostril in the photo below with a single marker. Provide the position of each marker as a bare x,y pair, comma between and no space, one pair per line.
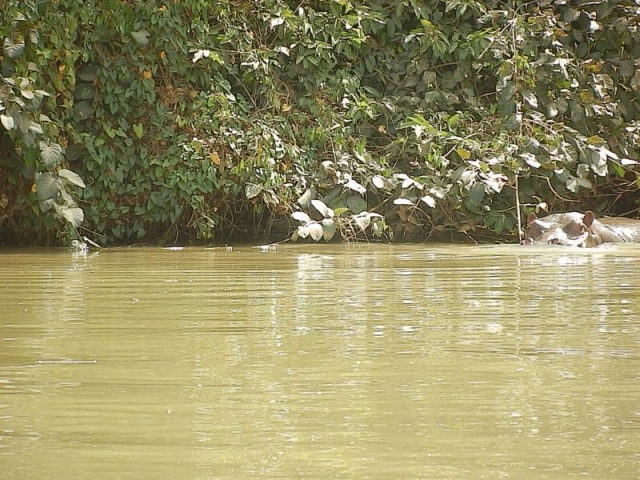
553,241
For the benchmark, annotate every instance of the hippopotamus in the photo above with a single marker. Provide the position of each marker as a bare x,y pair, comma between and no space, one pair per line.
580,230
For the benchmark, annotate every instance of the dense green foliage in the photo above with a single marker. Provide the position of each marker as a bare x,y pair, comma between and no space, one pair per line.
210,119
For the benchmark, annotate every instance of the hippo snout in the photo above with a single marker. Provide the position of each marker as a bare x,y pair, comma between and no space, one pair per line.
547,241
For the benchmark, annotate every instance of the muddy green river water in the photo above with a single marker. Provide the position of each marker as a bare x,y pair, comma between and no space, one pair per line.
318,362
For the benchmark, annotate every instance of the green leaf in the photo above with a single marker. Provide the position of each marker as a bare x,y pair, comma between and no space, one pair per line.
356,187
305,199
84,91
598,161
322,209
301,217
530,98
50,153
72,177
138,130
73,215
570,15
508,91
582,170
584,183
463,153
476,195
378,182
333,196
141,36
47,205
7,122
437,192
12,50
157,199
269,197
513,122
635,81
28,94
315,231
340,210
47,186
35,127
22,121
88,73
328,229
531,160
356,204
572,185
84,109
618,169
453,120
252,190
303,231
429,200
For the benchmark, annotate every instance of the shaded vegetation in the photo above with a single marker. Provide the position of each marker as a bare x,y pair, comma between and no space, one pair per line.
205,121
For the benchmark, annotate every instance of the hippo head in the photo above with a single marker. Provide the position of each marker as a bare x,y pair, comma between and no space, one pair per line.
571,228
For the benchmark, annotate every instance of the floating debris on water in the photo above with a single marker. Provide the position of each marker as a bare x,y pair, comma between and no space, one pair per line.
226,248
91,242
82,247
79,247
267,248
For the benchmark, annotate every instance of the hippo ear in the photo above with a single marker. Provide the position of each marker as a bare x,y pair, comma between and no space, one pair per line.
531,218
589,217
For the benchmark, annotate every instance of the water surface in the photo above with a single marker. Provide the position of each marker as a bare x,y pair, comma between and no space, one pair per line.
361,361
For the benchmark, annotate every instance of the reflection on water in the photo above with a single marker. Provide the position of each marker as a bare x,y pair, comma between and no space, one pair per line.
430,361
